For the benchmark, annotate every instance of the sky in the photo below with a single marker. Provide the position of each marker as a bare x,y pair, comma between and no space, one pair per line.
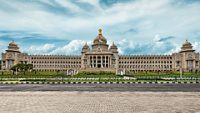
61,27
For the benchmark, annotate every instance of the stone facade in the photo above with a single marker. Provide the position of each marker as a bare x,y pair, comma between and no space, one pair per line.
13,56
102,57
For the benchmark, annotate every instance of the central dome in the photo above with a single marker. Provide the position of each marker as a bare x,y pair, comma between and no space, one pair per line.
100,39
100,43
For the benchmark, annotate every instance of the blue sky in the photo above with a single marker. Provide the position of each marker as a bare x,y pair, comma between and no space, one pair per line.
63,26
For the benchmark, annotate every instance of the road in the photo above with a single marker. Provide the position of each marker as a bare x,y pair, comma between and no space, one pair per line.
103,87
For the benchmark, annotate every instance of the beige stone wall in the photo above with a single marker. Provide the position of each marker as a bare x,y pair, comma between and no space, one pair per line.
9,59
55,62
186,61
145,62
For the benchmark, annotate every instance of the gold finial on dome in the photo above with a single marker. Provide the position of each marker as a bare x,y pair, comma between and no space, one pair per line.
100,31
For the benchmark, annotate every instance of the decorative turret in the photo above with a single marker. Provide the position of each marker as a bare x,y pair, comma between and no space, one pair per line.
187,47
85,48
113,48
13,47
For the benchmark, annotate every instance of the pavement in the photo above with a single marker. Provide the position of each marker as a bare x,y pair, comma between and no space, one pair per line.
99,102
100,98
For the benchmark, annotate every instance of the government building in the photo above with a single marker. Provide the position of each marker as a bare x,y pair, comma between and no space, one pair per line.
101,57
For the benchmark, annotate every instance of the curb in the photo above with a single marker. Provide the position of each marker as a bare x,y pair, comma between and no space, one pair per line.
30,82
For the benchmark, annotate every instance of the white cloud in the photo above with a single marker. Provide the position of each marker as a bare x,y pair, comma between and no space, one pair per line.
42,49
149,18
196,46
73,47
157,46
68,5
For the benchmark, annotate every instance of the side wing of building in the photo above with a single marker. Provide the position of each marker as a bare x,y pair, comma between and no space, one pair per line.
55,62
135,63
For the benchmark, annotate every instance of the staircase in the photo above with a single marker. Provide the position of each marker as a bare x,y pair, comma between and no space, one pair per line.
97,70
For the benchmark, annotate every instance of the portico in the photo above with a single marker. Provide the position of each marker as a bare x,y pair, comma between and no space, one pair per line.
100,56
99,60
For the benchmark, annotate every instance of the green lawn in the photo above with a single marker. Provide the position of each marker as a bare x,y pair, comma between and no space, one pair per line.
164,74
97,80
142,76
32,75
53,75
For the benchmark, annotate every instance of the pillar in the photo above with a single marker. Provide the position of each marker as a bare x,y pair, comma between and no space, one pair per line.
96,62
101,62
109,61
105,61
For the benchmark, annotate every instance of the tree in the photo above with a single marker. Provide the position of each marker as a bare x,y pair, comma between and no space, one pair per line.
22,67
30,67
15,68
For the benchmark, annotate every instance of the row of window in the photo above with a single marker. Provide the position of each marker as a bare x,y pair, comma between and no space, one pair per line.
138,62
145,58
60,58
64,62
57,66
143,66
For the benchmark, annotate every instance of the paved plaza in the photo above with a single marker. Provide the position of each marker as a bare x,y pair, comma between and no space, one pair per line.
99,102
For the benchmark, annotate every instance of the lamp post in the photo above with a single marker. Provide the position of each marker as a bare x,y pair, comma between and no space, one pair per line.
181,72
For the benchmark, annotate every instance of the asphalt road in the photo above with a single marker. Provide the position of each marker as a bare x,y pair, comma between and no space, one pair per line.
103,87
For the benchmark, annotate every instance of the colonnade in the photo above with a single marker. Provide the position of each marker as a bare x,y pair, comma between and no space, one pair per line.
190,64
8,64
100,61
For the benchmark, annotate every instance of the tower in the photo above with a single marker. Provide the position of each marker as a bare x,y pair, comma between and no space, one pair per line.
13,56
10,58
187,59
84,57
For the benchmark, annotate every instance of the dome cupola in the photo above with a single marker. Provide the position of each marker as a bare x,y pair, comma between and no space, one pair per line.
12,43
13,47
85,48
100,43
100,38
187,46
113,48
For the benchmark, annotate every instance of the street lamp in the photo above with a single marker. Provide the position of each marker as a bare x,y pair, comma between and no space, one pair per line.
181,72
